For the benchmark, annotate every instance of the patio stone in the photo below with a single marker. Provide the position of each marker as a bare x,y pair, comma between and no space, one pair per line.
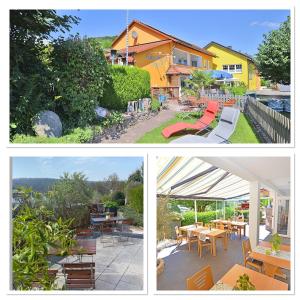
103,285
127,286
133,278
110,277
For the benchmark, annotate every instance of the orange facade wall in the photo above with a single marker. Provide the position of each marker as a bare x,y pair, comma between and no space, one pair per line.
156,61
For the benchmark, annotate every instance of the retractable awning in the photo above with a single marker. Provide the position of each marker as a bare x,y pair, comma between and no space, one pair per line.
192,178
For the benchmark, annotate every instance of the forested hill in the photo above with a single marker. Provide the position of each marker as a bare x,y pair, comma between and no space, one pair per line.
43,185
105,41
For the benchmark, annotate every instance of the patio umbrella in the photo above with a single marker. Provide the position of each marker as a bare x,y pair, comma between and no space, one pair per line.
217,74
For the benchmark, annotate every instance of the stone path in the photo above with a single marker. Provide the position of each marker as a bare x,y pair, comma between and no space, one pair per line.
138,130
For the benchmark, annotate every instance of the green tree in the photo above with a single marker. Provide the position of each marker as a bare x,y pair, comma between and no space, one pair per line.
30,33
274,54
69,198
197,82
137,175
80,73
34,232
135,198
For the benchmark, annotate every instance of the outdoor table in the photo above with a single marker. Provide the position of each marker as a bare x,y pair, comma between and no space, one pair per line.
97,221
240,225
213,234
83,247
259,280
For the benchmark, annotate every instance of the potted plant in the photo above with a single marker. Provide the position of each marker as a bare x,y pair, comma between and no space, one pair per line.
111,206
244,284
276,242
160,265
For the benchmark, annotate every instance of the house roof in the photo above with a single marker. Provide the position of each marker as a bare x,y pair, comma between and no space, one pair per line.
179,70
167,36
144,47
249,57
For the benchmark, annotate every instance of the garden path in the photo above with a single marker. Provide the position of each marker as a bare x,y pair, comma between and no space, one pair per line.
138,130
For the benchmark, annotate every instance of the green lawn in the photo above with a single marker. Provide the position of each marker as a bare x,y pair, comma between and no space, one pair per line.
243,133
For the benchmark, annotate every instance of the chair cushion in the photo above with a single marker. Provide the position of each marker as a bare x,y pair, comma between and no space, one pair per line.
254,261
227,115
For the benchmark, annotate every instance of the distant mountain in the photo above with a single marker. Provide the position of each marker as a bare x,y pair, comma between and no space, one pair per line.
41,185
105,41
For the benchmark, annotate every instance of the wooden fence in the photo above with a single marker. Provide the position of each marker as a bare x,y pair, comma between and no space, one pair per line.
270,125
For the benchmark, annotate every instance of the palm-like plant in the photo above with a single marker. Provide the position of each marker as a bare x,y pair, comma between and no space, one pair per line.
197,82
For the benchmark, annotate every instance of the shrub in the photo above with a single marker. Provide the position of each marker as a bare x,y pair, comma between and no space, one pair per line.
155,105
135,197
118,197
79,74
111,204
130,213
238,90
76,136
125,84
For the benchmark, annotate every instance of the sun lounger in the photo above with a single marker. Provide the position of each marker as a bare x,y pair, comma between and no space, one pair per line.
207,118
220,134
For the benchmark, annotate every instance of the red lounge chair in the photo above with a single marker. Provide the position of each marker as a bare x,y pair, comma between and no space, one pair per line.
208,116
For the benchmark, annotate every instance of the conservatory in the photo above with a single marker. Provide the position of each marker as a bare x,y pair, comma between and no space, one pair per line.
245,228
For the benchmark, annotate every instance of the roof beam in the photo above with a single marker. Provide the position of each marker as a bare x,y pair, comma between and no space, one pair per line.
209,170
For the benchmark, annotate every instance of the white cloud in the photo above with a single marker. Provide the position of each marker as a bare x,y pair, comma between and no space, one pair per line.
272,25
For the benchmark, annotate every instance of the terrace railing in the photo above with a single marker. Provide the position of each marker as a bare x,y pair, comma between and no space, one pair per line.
271,126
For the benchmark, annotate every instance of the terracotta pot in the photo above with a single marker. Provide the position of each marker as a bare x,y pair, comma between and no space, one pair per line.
160,266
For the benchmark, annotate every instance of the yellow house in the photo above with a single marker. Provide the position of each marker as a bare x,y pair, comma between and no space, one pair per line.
239,64
168,59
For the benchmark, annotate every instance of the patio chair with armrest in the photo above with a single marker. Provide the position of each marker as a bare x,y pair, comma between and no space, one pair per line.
220,134
199,224
208,117
179,237
248,261
79,275
201,281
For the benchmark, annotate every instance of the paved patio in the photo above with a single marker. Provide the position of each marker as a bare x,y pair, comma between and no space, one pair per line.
119,266
180,263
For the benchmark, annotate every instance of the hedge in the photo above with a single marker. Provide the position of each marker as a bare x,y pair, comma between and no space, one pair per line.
126,83
207,216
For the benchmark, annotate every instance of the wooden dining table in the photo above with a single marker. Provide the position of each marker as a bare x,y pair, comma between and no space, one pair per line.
213,235
241,226
259,280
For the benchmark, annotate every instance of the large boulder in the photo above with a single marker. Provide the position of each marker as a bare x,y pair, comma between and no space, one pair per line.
47,123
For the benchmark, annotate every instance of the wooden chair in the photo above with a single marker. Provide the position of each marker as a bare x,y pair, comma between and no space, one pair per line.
248,261
191,239
179,236
79,275
199,224
232,230
202,243
201,281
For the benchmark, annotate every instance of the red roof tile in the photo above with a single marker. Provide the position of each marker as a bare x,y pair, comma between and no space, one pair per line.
167,36
179,70
144,47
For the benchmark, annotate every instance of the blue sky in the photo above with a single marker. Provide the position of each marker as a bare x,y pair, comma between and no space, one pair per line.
95,168
241,29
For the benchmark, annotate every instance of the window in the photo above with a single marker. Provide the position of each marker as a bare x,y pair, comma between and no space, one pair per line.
233,68
179,57
205,63
196,61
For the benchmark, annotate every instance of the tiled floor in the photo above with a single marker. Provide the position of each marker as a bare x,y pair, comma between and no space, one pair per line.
119,266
